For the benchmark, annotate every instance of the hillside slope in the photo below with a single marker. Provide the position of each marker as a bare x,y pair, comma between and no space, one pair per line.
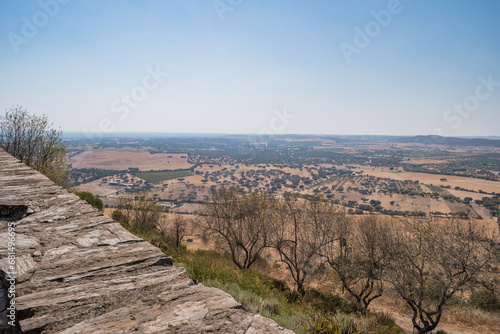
80,272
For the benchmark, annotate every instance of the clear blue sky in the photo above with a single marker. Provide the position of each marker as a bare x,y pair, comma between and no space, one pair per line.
233,64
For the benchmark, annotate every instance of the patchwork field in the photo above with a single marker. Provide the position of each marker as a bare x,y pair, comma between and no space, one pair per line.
182,186
361,176
107,187
122,159
97,188
162,176
435,179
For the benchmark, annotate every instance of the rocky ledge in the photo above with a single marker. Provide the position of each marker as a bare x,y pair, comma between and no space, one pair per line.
80,272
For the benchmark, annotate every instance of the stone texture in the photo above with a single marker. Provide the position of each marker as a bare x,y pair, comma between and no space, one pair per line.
80,272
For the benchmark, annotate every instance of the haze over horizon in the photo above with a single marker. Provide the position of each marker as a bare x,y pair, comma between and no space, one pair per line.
332,67
94,136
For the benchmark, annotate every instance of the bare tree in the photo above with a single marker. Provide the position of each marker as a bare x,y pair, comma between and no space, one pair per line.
142,213
32,140
146,214
431,261
241,222
300,230
174,231
358,256
125,207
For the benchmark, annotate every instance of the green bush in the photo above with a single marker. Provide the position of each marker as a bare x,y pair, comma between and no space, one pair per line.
384,323
205,265
485,300
91,199
251,302
345,323
119,217
331,303
339,323
384,319
293,321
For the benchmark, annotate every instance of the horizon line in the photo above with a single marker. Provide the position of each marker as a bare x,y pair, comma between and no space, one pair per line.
110,134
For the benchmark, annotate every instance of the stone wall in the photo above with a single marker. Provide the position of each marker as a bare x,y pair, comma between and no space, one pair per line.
80,272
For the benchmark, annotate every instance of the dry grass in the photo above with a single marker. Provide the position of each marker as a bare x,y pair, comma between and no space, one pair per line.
121,159
96,188
244,168
473,319
435,179
424,161
455,319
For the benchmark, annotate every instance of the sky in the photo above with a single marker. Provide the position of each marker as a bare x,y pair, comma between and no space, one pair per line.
389,67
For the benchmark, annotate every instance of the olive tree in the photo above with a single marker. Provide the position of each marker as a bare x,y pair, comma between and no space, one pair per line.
300,231
431,260
141,213
32,140
358,255
239,223
174,231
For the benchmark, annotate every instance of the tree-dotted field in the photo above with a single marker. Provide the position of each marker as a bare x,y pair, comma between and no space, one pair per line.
123,159
162,176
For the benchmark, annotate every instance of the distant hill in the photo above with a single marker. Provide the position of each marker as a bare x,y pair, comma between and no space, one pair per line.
490,141
452,141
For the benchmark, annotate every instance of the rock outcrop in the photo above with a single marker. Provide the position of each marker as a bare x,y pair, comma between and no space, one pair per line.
80,272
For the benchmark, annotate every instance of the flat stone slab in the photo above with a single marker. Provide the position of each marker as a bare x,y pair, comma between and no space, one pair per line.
80,272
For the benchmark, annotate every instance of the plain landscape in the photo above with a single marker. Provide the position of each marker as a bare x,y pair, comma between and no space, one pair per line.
323,167
393,177
361,174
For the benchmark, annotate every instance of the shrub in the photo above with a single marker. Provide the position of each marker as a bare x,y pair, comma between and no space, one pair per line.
339,323
91,199
119,217
384,323
345,324
485,300
331,303
384,319
205,265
